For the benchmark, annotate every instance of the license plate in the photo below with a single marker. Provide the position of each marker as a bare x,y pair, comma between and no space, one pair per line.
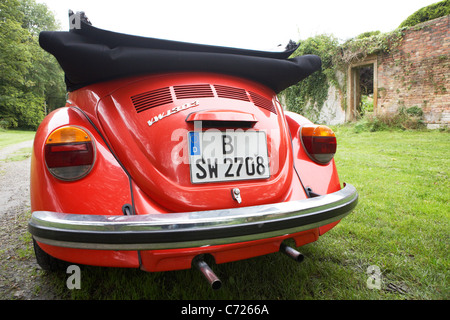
216,156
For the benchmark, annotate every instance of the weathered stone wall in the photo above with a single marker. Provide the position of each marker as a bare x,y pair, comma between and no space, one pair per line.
417,73
332,111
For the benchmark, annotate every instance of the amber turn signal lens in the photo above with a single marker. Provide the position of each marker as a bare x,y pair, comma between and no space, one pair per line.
68,135
319,142
69,153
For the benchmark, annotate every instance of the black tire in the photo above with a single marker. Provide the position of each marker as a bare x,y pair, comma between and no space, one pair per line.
47,262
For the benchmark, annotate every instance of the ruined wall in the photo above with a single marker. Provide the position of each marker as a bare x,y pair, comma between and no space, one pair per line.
332,111
417,73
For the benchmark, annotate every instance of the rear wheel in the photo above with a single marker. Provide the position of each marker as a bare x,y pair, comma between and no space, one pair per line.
46,261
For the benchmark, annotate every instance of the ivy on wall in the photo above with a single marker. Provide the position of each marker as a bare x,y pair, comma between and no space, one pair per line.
313,91
308,96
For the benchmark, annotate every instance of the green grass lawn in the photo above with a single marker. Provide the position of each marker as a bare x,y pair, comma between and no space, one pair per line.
400,227
401,223
10,137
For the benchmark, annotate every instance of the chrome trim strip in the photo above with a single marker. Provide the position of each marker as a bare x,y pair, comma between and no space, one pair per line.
190,229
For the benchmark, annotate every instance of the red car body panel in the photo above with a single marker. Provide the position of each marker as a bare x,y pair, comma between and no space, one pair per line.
160,185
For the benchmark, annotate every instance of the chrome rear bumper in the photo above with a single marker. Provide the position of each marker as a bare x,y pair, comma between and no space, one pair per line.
190,229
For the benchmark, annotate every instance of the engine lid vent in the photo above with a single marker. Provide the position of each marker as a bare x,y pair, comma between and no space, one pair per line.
231,93
151,99
193,91
262,102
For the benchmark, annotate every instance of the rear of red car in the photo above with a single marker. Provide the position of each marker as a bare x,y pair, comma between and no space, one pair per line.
167,151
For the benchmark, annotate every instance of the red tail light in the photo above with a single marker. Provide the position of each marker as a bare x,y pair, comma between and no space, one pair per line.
69,153
319,143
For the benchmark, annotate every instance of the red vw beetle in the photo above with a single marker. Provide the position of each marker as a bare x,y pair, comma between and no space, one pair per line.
167,152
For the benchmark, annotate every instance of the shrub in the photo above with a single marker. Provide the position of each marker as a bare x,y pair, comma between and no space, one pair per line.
366,104
430,12
415,111
404,119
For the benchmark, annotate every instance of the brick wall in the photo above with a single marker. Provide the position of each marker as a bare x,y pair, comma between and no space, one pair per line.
417,73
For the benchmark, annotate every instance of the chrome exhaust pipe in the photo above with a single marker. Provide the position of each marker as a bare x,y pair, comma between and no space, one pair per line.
292,253
210,276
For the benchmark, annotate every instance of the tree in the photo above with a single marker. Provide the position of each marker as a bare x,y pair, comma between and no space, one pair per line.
430,12
31,80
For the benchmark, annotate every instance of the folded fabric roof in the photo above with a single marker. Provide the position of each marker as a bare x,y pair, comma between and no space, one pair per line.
89,55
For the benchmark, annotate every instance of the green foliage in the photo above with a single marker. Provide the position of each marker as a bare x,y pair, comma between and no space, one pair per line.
31,80
312,91
366,104
368,43
414,111
430,12
405,119
368,34
308,96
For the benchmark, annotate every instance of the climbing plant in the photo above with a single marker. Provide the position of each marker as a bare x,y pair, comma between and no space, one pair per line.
368,43
308,96
313,91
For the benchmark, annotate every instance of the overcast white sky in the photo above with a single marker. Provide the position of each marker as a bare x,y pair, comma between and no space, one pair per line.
259,24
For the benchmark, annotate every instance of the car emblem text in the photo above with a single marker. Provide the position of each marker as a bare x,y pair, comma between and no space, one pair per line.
172,111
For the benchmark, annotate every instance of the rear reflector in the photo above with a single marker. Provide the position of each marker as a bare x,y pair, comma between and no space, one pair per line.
69,153
319,142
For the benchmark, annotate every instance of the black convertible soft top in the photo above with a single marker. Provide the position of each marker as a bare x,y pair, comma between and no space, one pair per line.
90,55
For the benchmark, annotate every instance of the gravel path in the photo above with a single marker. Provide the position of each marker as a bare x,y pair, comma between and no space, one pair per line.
20,275
14,181
4,152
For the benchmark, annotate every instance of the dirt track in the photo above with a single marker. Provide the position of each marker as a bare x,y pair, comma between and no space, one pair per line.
20,275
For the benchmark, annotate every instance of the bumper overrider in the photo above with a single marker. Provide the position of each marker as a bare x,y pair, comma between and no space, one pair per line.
190,229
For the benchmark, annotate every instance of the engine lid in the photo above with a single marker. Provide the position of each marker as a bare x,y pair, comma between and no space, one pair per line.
189,141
